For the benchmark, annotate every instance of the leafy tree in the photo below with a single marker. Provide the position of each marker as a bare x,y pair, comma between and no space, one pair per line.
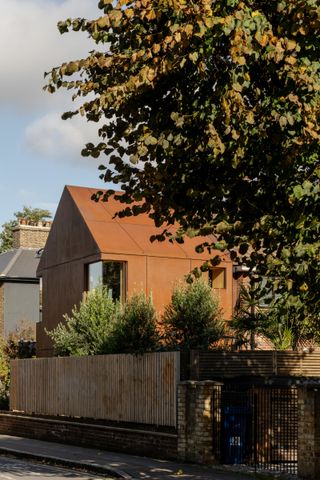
4,376
101,326
257,313
6,239
135,330
32,215
216,104
87,331
19,344
285,332
193,319
250,319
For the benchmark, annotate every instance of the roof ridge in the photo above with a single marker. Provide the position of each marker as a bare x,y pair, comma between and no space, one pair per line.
12,261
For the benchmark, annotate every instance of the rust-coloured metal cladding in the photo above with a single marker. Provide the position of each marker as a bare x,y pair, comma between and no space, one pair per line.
128,234
85,232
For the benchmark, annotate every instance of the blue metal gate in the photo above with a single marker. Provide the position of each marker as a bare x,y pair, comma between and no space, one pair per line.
236,427
259,427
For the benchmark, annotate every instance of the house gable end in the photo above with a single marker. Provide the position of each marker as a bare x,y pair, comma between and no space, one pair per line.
70,238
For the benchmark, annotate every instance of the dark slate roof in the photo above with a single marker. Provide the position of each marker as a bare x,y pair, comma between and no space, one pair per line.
19,263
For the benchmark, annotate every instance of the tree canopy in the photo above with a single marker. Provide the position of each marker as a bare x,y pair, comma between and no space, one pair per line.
210,118
27,213
192,320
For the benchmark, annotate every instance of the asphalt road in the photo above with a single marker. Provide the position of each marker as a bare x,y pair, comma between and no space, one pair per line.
16,469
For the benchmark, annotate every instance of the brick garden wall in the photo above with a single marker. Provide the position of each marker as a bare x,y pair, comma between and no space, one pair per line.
309,433
129,440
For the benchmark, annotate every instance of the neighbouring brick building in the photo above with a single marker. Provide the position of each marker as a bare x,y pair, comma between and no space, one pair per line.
19,285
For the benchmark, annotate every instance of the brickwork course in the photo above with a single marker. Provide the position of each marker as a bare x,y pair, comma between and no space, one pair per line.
195,421
309,433
120,439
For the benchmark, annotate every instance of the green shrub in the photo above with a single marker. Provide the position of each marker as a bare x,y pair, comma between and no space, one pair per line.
87,331
4,376
19,344
283,330
193,319
135,330
249,318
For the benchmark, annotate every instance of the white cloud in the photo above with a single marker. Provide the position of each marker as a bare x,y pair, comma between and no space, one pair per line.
31,44
49,136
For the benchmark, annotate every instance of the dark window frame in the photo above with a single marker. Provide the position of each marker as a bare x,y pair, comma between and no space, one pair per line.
123,276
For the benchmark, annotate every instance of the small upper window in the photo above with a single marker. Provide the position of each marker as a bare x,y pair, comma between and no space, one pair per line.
109,274
217,277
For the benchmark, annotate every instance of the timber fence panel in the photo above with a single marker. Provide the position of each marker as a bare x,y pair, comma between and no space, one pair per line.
128,388
212,365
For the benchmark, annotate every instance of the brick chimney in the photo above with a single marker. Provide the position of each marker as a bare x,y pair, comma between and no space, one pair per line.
28,235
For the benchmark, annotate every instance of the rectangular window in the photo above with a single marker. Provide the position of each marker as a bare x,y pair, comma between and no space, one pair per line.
109,274
217,277
94,275
40,300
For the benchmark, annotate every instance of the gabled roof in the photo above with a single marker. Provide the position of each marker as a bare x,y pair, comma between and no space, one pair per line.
129,235
19,263
83,229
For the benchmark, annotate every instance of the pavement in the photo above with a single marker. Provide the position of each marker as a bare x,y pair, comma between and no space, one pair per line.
112,464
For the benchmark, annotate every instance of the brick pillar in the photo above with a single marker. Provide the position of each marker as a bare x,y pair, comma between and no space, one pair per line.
309,433
196,414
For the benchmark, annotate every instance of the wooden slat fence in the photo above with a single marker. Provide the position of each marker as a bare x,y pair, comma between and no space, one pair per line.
213,365
128,388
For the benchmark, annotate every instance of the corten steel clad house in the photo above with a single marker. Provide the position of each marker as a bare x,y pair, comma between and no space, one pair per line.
87,245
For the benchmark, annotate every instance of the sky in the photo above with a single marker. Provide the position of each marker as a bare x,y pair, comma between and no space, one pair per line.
40,153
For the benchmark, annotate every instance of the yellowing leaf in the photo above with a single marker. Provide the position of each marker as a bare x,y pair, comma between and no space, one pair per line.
193,56
237,87
105,62
156,48
291,45
150,140
283,121
209,22
103,22
188,29
291,60
151,74
250,118
240,60
115,17
177,37
261,39
235,135
303,30
129,13
151,15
